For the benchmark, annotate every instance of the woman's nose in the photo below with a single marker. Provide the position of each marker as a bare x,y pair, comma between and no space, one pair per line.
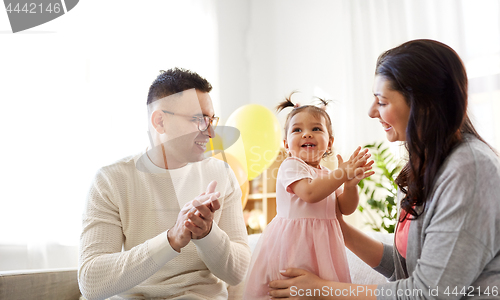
373,111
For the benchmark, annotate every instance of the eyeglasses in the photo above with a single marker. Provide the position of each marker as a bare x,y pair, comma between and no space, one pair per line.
203,122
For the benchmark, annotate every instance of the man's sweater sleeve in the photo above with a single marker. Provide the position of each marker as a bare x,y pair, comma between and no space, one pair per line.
104,270
225,249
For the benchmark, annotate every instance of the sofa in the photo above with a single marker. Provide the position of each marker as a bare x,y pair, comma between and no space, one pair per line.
62,284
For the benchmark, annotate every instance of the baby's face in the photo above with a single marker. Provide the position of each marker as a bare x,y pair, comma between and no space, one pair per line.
307,138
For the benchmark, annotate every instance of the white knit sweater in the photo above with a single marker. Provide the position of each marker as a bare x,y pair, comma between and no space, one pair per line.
124,249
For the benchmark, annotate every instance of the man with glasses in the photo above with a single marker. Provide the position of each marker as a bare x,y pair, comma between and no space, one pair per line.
166,223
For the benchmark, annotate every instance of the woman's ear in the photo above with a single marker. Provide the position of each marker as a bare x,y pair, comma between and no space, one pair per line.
157,121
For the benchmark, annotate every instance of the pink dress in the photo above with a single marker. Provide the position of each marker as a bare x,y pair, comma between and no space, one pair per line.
302,235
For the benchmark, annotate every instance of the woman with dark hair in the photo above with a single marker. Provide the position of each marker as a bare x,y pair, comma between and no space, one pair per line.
447,241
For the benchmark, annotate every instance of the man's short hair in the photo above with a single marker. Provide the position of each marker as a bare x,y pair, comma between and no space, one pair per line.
174,81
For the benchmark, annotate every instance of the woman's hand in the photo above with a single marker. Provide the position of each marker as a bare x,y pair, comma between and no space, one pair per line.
297,286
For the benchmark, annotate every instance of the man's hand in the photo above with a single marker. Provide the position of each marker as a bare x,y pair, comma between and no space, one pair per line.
201,214
195,218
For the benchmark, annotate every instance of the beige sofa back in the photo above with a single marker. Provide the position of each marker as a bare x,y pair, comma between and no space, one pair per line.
61,284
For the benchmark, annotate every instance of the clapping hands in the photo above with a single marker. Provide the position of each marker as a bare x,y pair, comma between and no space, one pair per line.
201,213
357,167
195,218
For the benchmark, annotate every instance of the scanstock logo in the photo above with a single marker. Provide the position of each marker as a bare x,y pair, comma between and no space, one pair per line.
28,14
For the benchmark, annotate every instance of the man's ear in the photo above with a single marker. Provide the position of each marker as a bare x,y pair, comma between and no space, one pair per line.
157,121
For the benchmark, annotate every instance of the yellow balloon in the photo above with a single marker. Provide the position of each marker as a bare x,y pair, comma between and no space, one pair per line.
260,133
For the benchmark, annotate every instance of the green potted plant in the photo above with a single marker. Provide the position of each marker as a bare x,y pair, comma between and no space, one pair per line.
381,190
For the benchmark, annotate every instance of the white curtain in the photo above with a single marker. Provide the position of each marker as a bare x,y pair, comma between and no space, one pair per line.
470,27
73,99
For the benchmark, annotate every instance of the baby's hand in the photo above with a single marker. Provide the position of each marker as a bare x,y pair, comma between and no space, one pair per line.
357,165
354,182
